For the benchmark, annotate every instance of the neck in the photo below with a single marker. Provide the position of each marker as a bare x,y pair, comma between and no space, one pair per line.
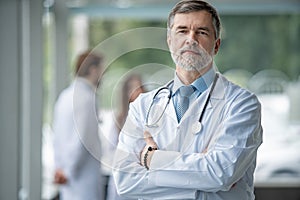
188,77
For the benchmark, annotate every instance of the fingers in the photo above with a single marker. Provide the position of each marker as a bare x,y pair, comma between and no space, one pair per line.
59,177
149,140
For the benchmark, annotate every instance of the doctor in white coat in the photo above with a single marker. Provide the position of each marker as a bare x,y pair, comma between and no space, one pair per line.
208,152
76,141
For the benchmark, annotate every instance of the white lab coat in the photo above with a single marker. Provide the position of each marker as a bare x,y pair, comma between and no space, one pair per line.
216,163
76,142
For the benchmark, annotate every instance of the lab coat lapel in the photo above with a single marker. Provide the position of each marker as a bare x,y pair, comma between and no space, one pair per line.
218,92
171,111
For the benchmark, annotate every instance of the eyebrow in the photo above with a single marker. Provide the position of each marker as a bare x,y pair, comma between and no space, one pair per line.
181,27
204,29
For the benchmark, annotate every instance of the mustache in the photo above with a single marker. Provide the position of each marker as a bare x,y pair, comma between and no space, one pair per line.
193,49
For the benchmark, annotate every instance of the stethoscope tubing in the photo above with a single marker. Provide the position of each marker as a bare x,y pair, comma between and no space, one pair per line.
167,87
153,98
208,97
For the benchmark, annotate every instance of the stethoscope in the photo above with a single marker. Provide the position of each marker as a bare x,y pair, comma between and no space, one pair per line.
196,127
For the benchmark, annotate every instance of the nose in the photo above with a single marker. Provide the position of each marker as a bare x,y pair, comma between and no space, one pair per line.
192,39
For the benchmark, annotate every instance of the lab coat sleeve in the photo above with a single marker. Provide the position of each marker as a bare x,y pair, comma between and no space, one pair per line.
64,141
86,139
131,178
229,154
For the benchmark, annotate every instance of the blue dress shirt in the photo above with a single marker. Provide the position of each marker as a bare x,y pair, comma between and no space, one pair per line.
200,85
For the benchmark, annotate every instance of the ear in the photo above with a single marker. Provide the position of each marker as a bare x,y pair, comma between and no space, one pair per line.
217,46
169,40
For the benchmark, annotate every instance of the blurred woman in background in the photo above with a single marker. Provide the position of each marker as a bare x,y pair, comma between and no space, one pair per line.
130,90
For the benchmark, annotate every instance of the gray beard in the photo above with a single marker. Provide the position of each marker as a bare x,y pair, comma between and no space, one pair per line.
192,62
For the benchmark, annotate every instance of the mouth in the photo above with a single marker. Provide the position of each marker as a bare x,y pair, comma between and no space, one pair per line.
190,52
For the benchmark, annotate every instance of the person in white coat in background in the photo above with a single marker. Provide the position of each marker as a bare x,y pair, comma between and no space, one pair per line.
76,143
196,137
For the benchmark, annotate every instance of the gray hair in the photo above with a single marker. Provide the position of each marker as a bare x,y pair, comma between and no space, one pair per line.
188,6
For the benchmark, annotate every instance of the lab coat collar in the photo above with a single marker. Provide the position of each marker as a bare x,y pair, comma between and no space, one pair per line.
171,110
219,91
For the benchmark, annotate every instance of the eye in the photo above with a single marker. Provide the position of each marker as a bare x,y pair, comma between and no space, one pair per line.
182,31
201,32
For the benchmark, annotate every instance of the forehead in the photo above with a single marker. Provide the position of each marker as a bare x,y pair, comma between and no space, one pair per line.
193,19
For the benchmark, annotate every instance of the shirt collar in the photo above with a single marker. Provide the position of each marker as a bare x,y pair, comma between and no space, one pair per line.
201,84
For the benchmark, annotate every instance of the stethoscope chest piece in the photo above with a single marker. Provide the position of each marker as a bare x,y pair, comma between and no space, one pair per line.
196,127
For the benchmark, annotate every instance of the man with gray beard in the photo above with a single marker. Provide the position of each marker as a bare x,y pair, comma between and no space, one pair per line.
196,137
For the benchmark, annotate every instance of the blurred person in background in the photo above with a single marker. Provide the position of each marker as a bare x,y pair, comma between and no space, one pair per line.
131,88
76,142
197,136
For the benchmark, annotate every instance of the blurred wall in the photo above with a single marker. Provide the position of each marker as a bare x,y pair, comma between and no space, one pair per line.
10,94
21,93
